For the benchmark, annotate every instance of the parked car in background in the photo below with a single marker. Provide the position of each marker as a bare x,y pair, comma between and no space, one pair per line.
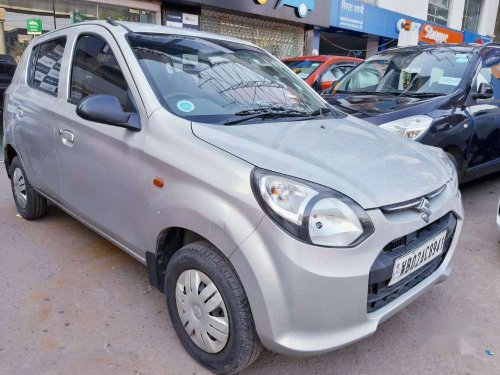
498,215
265,216
7,69
441,95
321,71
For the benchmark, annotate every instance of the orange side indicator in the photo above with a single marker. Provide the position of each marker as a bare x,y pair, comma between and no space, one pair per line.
158,182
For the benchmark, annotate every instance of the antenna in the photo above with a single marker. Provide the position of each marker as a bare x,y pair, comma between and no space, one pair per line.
111,21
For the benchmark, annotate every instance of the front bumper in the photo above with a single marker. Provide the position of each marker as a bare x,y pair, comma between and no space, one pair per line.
498,215
309,300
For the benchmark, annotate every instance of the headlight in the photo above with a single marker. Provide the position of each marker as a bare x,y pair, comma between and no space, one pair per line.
451,167
409,127
449,164
310,212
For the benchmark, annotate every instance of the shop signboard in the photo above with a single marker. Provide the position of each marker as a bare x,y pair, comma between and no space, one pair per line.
470,37
351,15
434,34
311,12
303,6
182,20
34,26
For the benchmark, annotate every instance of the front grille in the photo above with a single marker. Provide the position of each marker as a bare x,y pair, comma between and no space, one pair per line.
379,293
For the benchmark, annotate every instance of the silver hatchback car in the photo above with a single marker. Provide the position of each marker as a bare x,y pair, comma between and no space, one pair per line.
266,217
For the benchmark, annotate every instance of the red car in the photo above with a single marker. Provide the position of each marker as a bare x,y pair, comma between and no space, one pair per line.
321,71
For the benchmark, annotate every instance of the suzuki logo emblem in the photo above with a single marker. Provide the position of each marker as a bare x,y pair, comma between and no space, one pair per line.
425,208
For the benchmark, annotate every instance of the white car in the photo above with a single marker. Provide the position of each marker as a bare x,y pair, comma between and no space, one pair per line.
498,215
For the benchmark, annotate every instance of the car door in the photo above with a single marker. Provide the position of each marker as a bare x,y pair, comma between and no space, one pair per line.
35,104
100,164
485,111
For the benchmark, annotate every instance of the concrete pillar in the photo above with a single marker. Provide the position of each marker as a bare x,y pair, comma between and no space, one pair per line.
3,49
308,42
372,43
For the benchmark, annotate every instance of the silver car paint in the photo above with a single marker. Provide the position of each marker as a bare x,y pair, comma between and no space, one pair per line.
347,154
304,299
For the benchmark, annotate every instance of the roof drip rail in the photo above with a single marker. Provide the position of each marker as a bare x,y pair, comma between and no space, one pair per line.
112,21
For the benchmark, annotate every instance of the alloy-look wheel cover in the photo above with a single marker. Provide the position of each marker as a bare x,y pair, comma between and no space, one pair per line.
202,311
20,191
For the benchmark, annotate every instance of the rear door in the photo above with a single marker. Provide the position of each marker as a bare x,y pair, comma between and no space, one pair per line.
485,144
100,164
35,103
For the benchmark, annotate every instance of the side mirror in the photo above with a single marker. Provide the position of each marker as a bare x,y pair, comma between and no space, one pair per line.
485,91
106,109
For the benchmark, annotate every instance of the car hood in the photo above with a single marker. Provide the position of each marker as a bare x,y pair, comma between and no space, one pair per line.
368,164
379,108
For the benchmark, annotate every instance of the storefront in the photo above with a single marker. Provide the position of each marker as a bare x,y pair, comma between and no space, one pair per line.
24,19
282,27
361,30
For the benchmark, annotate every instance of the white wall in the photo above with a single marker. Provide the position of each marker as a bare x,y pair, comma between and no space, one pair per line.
414,8
456,14
488,17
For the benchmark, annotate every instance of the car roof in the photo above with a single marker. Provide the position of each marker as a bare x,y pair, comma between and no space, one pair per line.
137,27
323,58
464,47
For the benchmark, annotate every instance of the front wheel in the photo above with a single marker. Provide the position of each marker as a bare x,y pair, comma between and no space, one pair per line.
209,309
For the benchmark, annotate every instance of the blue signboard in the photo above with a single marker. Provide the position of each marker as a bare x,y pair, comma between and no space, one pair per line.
370,19
470,37
351,15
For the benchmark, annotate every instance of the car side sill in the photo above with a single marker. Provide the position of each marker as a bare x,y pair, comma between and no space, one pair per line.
96,230
482,170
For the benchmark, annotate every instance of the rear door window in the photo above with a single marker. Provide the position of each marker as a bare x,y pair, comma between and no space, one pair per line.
46,65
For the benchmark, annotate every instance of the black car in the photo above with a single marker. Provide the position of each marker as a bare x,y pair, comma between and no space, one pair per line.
442,95
7,69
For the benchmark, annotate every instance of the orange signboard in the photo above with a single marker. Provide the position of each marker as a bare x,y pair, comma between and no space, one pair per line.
433,34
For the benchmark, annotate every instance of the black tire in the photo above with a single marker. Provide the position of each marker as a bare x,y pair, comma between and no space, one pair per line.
243,345
36,205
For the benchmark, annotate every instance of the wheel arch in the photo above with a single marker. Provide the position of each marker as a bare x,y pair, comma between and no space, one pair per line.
9,153
169,241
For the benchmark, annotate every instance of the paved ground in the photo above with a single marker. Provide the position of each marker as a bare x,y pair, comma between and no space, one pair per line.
70,302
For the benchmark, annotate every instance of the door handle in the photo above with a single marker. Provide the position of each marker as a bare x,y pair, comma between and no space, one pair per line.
68,138
19,113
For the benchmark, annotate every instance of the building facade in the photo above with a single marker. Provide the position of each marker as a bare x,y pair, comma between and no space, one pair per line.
362,28
22,20
284,28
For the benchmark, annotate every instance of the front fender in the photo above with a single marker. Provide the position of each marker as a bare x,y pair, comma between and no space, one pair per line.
206,190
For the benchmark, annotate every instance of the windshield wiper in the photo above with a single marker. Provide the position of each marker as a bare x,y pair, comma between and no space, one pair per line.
368,92
422,94
266,113
320,112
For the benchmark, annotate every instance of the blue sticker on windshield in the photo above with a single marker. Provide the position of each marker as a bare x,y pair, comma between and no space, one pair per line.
185,106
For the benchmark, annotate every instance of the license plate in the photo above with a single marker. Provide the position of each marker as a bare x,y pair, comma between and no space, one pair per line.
408,263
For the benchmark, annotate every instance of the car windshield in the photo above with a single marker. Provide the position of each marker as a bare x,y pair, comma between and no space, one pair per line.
425,72
304,68
221,82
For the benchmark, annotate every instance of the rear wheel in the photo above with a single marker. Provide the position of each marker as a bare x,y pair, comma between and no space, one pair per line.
209,309
30,204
